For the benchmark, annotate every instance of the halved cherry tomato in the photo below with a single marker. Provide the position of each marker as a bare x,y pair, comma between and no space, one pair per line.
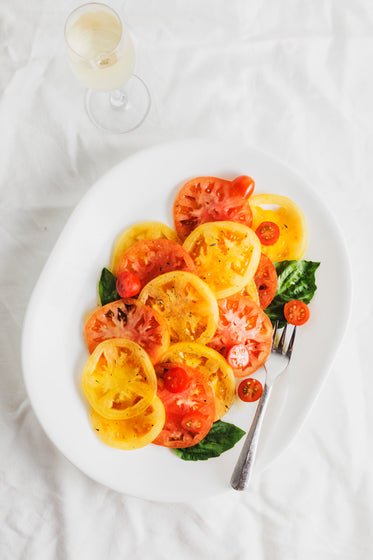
210,199
193,422
128,284
265,279
296,312
129,318
250,390
238,356
241,321
151,257
268,233
175,379
189,413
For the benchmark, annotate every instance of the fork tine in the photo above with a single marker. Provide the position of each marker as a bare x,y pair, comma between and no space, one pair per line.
280,346
274,335
291,343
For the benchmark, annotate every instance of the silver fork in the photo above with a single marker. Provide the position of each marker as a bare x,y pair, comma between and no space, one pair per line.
277,364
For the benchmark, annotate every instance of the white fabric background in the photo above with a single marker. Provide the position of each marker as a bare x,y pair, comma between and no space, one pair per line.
293,78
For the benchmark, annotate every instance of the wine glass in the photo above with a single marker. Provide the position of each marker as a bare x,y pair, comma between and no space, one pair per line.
102,55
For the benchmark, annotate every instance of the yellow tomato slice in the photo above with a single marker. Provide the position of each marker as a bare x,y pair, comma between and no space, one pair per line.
212,365
291,221
136,233
226,255
118,379
187,304
251,291
134,432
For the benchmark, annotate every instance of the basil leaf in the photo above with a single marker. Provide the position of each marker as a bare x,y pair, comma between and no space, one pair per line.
107,287
295,280
221,437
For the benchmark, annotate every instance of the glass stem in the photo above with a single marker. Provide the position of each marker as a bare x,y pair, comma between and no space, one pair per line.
118,98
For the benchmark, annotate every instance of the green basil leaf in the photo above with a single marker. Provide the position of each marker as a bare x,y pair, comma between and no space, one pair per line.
295,280
107,287
221,437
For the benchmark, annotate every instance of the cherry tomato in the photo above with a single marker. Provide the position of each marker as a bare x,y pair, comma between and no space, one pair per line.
175,379
150,258
250,390
265,279
189,413
129,318
268,233
128,284
210,199
193,422
296,312
241,321
238,356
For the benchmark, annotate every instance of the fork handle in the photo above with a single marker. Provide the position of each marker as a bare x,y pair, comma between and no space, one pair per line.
244,466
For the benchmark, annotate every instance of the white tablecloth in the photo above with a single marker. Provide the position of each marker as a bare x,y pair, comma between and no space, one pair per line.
293,78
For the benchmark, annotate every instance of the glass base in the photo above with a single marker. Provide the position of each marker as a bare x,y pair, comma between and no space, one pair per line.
122,110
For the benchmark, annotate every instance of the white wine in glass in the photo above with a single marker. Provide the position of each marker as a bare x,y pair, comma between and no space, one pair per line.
102,56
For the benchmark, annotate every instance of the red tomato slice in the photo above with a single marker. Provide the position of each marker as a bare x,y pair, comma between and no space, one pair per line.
268,233
151,257
131,319
250,390
190,412
128,285
209,199
241,321
296,312
265,280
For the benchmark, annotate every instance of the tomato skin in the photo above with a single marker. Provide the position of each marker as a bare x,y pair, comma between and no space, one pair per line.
128,318
150,258
296,312
265,279
250,390
211,199
175,379
238,356
190,413
268,233
242,321
128,284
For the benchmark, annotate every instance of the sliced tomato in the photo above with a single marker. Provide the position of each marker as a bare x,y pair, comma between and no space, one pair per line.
296,312
190,412
268,233
250,390
129,318
210,199
149,258
238,356
265,279
134,432
242,321
119,379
